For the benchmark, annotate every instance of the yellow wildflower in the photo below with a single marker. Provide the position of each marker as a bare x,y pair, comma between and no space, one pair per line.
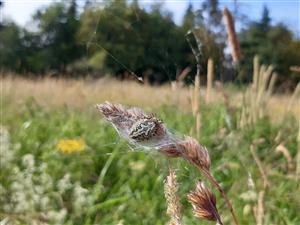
69,146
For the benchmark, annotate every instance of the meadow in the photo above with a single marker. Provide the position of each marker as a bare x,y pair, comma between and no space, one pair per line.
62,163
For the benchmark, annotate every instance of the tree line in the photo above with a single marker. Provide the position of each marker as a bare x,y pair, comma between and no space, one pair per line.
123,39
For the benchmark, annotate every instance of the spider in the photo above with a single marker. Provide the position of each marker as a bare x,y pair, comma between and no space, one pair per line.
145,129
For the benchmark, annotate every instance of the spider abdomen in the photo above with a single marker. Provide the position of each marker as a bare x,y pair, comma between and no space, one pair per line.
144,129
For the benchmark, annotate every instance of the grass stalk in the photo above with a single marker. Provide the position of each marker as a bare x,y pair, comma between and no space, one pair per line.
232,37
259,209
210,77
258,94
196,98
196,103
298,154
214,182
204,169
294,97
260,167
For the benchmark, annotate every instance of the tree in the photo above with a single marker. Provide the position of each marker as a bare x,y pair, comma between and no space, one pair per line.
272,43
130,38
189,18
265,21
58,26
210,31
10,46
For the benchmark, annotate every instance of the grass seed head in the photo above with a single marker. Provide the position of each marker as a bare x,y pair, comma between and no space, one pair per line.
204,203
171,150
171,188
195,153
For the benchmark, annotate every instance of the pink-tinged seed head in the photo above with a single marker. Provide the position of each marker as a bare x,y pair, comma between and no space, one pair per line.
204,203
195,153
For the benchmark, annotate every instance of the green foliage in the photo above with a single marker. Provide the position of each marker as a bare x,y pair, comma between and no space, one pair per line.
209,30
273,43
149,43
120,185
51,48
58,25
10,46
121,37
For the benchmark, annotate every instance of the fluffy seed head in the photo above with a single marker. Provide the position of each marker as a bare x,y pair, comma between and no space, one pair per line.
171,188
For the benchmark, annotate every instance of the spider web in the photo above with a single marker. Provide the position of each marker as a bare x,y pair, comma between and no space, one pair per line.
93,42
135,148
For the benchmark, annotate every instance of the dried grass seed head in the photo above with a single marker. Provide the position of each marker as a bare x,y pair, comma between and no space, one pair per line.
204,203
148,131
195,153
171,189
135,125
171,150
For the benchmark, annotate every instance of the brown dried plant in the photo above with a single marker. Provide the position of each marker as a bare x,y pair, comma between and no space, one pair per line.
232,37
149,132
171,188
204,203
195,96
298,153
286,153
210,78
257,96
194,153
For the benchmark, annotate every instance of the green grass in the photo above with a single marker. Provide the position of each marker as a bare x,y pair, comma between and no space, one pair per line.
128,186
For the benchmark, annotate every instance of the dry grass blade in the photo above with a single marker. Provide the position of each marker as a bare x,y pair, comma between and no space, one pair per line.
298,154
210,77
171,188
183,74
285,152
260,167
256,98
296,95
196,96
259,208
255,72
204,203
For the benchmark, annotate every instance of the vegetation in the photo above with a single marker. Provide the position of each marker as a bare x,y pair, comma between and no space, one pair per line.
46,176
122,38
273,44
62,163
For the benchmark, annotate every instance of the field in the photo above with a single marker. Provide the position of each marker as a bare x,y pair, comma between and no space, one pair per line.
106,181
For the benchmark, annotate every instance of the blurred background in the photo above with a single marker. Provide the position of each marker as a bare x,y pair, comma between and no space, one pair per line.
94,38
224,72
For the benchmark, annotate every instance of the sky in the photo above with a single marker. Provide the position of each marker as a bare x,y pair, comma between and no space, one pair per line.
285,11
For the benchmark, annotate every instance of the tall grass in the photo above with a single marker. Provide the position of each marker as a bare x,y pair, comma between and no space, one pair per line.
258,94
110,184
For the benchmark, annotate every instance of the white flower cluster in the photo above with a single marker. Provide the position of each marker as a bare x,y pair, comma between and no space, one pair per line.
6,153
30,191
